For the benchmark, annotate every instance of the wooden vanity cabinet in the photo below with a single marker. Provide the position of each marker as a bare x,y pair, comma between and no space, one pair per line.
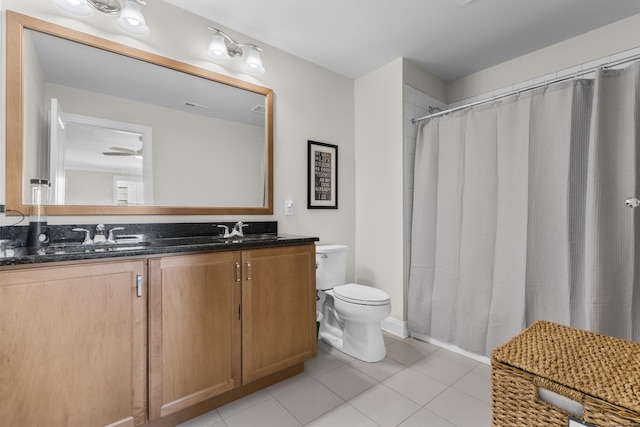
222,320
73,345
194,329
278,309
73,337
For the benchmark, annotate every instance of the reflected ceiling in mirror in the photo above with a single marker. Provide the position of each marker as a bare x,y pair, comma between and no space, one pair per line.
207,144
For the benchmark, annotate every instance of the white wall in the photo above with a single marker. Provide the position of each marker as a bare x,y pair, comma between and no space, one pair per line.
569,55
382,188
379,213
310,103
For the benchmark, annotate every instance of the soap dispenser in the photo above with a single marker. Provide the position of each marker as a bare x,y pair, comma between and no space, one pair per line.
37,236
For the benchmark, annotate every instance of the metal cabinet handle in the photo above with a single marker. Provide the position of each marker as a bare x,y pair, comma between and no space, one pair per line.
139,285
248,271
238,273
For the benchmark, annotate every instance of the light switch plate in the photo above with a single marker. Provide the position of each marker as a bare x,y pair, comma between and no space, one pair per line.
288,207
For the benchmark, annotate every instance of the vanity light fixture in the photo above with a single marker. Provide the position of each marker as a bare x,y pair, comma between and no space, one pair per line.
222,48
130,19
74,7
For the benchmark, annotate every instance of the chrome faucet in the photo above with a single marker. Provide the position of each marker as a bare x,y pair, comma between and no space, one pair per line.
238,229
87,235
111,237
99,237
224,231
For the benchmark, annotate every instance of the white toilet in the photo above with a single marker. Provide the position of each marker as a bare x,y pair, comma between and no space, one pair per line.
351,313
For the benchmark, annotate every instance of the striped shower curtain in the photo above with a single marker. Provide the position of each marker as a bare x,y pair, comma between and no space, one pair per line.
519,214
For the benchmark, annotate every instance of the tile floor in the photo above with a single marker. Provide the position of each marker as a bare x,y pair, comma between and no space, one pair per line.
417,384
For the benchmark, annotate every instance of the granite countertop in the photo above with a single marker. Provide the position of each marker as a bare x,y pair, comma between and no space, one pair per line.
147,240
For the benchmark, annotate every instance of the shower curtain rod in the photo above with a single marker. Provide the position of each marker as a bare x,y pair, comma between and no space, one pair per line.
528,88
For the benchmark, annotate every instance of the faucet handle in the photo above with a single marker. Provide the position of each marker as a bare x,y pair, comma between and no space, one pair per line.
225,230
87,235
239,227
111,237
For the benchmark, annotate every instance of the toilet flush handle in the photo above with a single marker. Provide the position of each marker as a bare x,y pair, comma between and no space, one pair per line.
323,256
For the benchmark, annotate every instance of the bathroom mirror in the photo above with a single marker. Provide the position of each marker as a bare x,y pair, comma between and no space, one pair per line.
120,131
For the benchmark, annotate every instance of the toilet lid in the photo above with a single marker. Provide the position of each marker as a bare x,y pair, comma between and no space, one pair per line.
360,294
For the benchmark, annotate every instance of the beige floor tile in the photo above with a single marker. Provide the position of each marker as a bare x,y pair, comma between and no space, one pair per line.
456,358
285,385
379,370
483,368
460,409
404,353
415,386
268,413
243,403
424,418
308,401
388,338
347,381
343,415
440,369
426,347
322,363
338,354
475,385
386,407
206,420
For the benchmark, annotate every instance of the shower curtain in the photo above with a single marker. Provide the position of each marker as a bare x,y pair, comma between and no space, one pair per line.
519,214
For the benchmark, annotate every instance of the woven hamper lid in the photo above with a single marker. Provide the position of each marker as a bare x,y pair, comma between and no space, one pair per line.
604,367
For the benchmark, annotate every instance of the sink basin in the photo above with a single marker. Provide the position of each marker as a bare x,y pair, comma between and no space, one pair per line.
132,245
210,240
250,238
186,241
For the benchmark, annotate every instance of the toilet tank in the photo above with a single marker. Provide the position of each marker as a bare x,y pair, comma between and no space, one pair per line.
331,266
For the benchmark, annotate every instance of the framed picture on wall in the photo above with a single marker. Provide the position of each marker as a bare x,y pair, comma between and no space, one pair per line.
322,179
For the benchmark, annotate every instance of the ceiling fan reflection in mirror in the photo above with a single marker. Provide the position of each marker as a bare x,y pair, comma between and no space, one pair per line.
119,151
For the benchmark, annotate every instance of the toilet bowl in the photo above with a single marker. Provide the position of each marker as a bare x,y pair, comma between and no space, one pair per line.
352,313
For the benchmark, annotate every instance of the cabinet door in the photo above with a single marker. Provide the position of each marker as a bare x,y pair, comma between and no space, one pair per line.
278,309
72,345
194,329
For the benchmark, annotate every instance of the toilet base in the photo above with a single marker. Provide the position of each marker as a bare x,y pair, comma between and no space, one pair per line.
363,341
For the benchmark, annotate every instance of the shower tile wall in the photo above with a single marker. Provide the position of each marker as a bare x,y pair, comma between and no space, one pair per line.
416,104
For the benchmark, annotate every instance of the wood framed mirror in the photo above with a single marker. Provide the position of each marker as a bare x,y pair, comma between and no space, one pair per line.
121,131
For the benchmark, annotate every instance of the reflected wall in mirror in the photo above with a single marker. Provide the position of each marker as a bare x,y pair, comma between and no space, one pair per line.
122,131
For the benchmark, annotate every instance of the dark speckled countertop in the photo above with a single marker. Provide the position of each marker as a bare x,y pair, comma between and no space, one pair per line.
139,240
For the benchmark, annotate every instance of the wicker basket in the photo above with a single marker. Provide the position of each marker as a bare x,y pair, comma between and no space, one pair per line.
599,372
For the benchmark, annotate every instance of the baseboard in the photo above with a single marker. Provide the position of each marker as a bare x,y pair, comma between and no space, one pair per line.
395,327
451,347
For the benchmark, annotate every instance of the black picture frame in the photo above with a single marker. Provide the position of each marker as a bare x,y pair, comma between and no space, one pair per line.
322,175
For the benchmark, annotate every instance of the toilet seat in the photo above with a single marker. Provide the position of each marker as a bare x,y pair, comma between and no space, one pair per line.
360,294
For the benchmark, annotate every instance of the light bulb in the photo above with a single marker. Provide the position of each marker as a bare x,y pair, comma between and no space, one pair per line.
217,51
253,64
74,7
132,20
